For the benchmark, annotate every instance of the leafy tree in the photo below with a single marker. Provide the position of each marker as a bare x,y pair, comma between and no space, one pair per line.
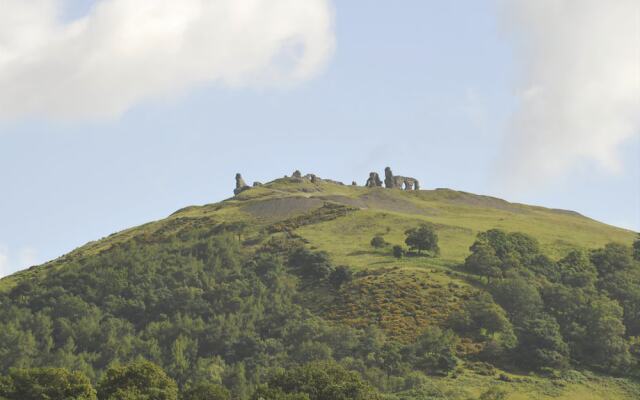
482,318
636,248
484,261
46,383
311,265
519,299
423,238
265,392
624,287
321,381
206,391
433,351
614,257
140,380
378,241
541,344
495,252
577,271
603,345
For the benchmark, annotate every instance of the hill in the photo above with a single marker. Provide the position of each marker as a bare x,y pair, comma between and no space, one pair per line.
285,274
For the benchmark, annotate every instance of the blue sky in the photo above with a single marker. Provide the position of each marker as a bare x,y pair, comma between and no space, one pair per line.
433,89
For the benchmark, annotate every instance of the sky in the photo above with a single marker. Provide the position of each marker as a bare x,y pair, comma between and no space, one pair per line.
114,113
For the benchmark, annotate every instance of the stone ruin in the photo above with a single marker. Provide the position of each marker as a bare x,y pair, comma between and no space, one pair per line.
241,186
399,182
390,181
374,180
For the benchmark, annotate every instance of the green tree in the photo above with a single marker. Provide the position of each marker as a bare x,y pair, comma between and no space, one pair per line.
206,391
484,261
483,319
423,238
46,383
140,380
321,381
518,298
433,351
576,270
541,344
614,257
311,265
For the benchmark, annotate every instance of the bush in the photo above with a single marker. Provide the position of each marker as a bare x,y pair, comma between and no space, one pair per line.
340,276
378,241
398,251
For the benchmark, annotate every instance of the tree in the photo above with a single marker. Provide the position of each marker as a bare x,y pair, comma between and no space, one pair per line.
519,299
46,383
433,351
311,265
140,380
398,251
614,257
541,344
423,238
340,276
483,261
378,241
636,248
206,391
576,270
319,381
483,319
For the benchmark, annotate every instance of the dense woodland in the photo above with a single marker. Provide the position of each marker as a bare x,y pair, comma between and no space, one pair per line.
198,317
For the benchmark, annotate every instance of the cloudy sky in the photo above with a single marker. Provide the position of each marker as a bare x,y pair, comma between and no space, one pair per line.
117,112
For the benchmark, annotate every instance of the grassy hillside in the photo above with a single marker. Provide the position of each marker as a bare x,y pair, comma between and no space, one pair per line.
400,297
459,216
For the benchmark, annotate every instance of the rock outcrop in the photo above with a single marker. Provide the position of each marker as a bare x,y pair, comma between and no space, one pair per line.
374,180
241,185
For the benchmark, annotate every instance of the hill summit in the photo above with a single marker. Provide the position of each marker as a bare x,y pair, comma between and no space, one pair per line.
301,283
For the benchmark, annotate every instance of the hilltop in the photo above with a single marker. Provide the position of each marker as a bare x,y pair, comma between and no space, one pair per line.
134,276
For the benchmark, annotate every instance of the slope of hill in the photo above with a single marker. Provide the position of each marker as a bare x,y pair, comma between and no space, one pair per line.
399,298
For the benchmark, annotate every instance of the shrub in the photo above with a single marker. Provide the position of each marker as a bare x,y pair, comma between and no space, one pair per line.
398,251
378,241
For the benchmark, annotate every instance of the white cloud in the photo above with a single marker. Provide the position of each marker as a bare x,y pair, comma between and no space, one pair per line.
579,88
126,51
